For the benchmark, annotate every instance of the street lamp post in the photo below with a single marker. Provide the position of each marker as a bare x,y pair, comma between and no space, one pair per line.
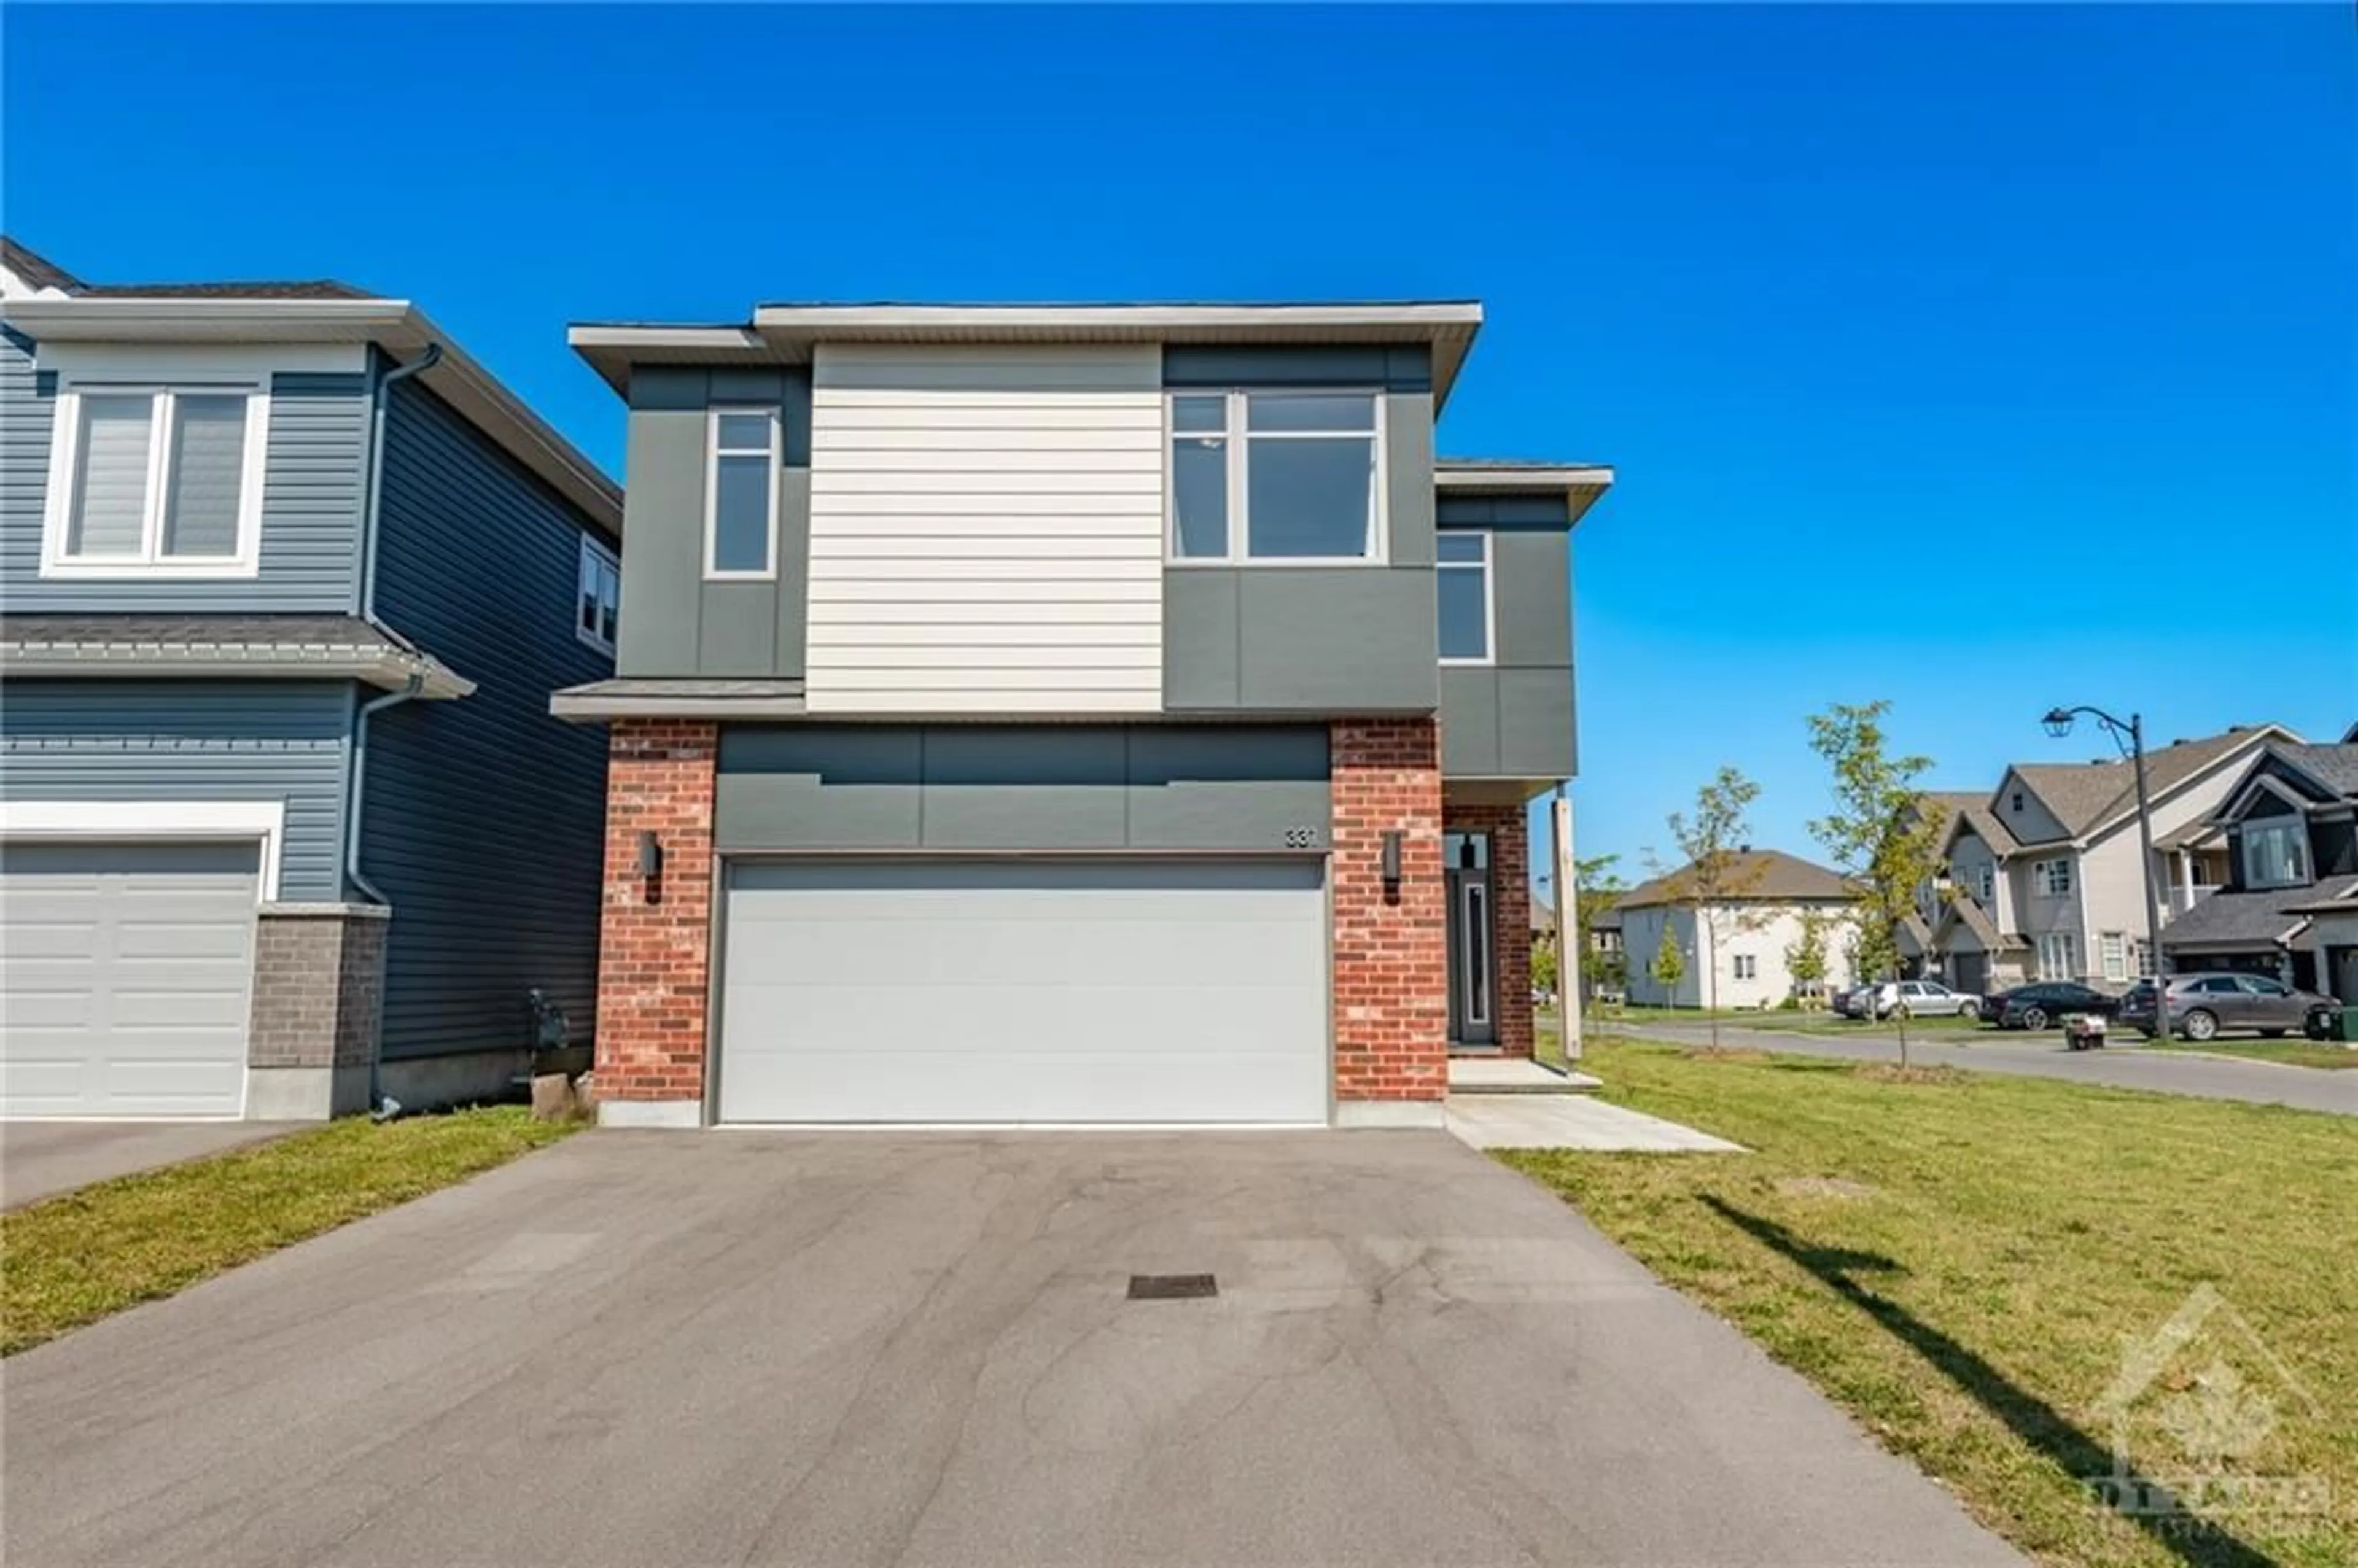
2058,723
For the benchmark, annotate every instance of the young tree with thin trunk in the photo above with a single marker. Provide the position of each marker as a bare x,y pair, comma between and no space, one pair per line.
1599,889
1879,839
1806,960
1717,870
1669,964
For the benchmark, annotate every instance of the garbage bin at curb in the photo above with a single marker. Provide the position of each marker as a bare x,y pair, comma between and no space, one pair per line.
2348,1018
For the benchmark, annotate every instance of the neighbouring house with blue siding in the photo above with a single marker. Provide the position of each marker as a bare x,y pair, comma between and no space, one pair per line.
285,826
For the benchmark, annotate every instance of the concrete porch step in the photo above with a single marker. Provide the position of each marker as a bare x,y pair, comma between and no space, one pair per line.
1515,1076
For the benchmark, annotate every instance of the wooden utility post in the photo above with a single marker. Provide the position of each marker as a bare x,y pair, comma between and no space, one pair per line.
1568,933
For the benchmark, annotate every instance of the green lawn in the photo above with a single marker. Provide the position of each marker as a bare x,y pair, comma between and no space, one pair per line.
2292,1052
1962,1262
77,1258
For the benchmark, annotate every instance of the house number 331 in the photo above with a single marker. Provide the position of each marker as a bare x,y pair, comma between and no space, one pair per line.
1301,838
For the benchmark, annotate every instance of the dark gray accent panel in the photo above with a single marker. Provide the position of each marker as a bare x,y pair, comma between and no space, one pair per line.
1535,739
1200,642
1062,787
1336,640
1408,472
1470,723
1531,589
312,485
1027,787
675,624
483,818
1505,512
1394,367
189,740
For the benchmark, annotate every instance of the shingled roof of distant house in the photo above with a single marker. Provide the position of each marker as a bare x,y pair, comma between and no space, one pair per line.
2082,795
1757,876
1974,807
43,273
2335,767
34,268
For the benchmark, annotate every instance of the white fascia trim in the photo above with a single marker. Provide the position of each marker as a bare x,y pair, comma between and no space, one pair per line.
388,670
395,325
825,320
1475,477
152,820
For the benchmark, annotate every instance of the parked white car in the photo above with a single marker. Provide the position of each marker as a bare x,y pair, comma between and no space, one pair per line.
1921,999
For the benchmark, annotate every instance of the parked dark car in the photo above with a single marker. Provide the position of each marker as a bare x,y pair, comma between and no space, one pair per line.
2043,1004
2202,1007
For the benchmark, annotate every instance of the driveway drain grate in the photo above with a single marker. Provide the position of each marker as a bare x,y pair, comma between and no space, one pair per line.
1172,1287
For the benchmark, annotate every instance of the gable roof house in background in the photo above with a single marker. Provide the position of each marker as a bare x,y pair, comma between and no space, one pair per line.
1747,936
2288,831
2045,878
286,579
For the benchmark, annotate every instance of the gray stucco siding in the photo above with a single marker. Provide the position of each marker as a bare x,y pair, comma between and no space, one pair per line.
675,624
1040,787
192,740
312,486
483,818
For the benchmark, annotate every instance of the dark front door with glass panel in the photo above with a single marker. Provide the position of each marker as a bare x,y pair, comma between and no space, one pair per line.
1472,964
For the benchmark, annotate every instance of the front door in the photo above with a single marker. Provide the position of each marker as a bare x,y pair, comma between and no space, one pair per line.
1473,963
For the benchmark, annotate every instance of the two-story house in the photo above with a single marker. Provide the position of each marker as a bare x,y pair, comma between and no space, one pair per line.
1738,951
285,827
1069,714
2289,905
2046,873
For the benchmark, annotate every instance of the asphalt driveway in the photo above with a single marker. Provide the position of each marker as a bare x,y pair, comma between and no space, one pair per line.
41,1159
848,1350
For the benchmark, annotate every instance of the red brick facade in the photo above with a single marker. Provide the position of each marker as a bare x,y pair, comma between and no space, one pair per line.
1511,913
654,944
1391,997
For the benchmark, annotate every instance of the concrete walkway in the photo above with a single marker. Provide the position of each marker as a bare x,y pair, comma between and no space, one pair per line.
1515,1076
1572,1121
2044,1056
857,1349
41,1159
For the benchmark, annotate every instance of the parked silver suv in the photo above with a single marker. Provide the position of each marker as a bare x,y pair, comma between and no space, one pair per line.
2202,1007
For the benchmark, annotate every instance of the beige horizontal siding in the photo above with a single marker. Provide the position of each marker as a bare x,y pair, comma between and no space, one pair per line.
986,529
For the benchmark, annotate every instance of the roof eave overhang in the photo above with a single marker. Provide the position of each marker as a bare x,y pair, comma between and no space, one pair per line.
394,325
389,669
597,709
1582,485
787,334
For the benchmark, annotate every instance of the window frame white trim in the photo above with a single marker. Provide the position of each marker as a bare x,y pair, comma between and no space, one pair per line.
712,456
151,563
1490,591
2068,943
155,821
2111,945
2296,826
594,552
2042,883
1235,432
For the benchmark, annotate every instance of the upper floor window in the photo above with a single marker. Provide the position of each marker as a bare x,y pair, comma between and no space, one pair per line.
2275,854
1748,967
155,481
1986,883
2051,878
1276,476
740,494
597,605
1462,584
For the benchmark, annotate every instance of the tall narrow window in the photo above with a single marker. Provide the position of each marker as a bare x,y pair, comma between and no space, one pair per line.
740,523
164,481
1462,585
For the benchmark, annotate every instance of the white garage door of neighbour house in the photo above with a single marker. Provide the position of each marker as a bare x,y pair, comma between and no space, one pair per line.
1040,991
126,971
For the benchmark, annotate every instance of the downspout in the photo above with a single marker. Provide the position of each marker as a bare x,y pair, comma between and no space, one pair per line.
364,594
365,605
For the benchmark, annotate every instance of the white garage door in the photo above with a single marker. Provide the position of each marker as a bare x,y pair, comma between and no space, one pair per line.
1015,992
124,972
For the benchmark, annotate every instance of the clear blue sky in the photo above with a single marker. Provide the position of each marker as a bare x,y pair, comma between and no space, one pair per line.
1974,358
